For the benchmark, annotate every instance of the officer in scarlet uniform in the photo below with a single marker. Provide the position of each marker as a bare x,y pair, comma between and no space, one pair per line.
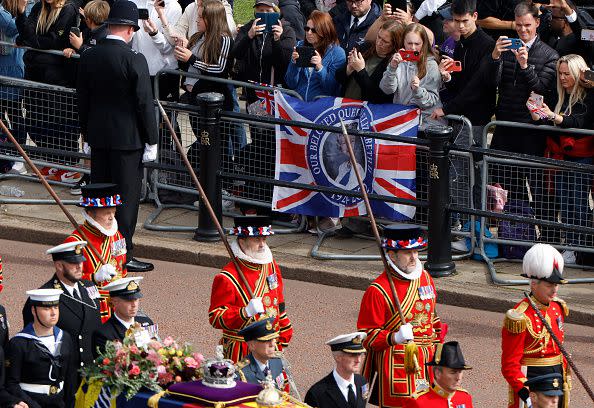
527,347
448,368
231,308
386,333
99,202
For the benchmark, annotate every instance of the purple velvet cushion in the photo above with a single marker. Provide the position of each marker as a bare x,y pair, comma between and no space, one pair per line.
195,391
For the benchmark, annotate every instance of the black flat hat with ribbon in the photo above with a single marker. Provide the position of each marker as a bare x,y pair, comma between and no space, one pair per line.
123,12
100,195
449,355
252,226
401,236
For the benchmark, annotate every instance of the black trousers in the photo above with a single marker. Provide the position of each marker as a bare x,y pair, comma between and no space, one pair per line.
124,168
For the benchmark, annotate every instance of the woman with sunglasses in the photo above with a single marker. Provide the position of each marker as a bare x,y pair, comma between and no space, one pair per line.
318,79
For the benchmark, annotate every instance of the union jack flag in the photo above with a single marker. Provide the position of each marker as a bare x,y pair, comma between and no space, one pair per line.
266,98
320,158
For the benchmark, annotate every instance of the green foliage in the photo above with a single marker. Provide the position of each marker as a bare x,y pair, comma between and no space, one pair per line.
243,11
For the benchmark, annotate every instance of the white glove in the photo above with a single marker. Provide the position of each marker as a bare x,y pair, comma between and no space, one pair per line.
86,148
404,334
150,153
105,273
254,307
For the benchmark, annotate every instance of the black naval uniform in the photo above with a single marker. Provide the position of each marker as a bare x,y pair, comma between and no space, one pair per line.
113,329
117,118
3,328
326,394
30,362
79,320
249,371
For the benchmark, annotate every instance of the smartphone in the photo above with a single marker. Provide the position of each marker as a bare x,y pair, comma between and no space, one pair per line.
516,43
587,34
75,31
537,100
143,14
161,3
305,53
410,55
269,19
589,75
398,4
363,47
455,66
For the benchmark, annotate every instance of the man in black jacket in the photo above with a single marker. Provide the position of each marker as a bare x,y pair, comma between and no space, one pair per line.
344,387
352,20
117,117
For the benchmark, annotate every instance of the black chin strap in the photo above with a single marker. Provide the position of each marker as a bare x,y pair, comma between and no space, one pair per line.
39,320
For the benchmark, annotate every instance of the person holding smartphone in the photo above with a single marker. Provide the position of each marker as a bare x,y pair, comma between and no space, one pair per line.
414,82
319,78
95,13
574,109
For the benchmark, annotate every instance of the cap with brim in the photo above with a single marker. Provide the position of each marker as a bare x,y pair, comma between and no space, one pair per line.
123,12
45,297
125,288
549,384
100,195
262,330
399,237
446,13
270,3
349,343
70,252
252,226
449,355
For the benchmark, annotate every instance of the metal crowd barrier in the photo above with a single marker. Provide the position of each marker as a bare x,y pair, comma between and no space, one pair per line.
540,194
47,116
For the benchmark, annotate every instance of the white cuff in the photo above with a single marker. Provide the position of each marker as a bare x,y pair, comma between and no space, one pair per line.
572,17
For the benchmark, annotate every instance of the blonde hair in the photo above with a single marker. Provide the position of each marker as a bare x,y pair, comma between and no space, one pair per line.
576,65
12,6
48,16
97,11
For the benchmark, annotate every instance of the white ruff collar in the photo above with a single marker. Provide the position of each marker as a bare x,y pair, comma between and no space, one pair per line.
416,274
267,258
108,232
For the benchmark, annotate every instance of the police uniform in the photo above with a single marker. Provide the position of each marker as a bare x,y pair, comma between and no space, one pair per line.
40,370
112,248
249,370
114,328
117,116
446,355
78,317
229,297
379,318
527,347
326,393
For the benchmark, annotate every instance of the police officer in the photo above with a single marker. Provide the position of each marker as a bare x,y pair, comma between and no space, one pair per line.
41,358
117,117
260,362
344,387
79,302
545,390
125,298
448,369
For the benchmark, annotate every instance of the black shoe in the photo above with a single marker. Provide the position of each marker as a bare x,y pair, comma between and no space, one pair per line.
344,233
76,189
134,265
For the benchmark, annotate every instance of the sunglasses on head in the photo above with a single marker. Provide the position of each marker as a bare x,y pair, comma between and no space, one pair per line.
308,28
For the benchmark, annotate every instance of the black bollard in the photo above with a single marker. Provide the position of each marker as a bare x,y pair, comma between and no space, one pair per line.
439,257
210,104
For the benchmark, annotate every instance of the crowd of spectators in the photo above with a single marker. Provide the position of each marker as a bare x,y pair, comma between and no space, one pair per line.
455,57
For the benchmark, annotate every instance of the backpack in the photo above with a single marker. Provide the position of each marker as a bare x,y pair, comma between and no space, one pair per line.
516,231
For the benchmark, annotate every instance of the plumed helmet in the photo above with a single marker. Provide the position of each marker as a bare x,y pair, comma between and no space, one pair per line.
543,262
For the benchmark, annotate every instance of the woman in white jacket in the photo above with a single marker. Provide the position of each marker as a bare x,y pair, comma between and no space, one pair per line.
415,82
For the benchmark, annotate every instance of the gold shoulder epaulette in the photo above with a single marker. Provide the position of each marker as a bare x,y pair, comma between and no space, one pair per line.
243,363
515,321
420,393
563,306
462,390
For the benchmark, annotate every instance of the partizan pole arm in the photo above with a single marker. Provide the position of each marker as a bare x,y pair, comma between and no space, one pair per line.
203,197
50,190
561,347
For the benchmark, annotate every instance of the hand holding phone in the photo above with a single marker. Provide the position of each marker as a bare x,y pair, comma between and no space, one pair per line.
75,31
455,66
305,54
536,99
412,56
143,14
516,43
268,20
589,75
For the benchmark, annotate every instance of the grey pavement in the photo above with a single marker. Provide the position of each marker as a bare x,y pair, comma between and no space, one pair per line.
469,287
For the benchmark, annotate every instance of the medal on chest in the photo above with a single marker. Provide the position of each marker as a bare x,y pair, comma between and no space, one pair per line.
272,281
93,292
426,292
118,247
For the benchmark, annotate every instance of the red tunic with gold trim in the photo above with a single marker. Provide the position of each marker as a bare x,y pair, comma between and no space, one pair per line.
112,249
379,318
229,298
437,397
527,347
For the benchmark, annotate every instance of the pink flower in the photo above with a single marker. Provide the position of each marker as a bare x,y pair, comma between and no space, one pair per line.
199,358
161,369
168,341
153,357
121,353
135,370
190,362
134,350
155,345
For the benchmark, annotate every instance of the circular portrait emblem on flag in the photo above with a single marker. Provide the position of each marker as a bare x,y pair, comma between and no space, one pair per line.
328,155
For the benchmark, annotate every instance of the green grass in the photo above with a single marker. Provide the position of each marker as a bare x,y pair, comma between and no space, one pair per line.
243,11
